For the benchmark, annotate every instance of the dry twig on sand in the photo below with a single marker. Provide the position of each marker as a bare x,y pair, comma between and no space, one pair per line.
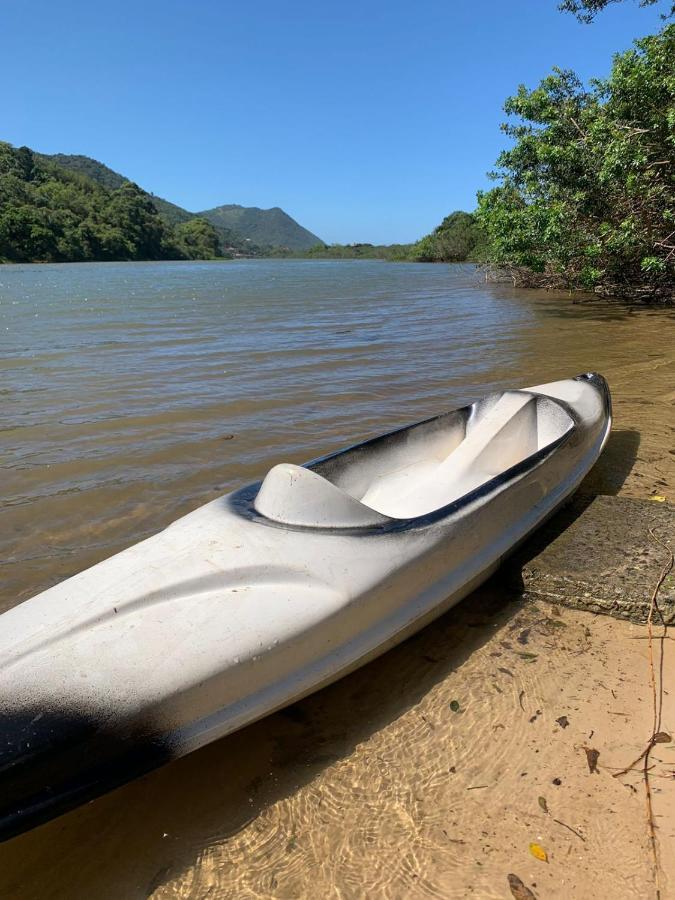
657,735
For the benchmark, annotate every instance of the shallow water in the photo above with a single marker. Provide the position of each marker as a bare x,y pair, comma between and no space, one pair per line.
132,393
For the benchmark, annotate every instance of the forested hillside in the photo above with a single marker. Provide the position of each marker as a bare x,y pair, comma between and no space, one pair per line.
240,230
106,177
50,214
264,227
170,213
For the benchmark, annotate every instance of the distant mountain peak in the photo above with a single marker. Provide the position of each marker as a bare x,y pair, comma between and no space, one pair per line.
266,227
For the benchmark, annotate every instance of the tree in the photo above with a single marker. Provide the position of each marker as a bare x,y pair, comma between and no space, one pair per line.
131,211
586,195
586,10
197,239
456,239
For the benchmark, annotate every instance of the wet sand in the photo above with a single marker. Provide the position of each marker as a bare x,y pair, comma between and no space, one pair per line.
376,786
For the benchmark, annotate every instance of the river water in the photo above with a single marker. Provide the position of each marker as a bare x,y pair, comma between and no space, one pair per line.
133,393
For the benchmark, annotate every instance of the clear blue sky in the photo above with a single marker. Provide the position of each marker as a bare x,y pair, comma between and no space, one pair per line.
366,121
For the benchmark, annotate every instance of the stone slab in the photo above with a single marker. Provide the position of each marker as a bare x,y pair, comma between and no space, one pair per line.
597,555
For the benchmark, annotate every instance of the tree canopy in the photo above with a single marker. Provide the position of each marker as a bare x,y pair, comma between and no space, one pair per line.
586,194
197,239
49,214
392,252
456,239
586,10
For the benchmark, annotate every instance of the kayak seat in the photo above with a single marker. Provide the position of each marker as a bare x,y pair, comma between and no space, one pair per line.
416,471
295,495
502,436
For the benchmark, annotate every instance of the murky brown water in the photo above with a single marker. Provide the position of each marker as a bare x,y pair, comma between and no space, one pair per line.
133,393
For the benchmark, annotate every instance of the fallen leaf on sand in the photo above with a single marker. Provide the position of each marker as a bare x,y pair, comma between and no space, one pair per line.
538,852
661,737
542,804
518,889
592,757
658,497
563,721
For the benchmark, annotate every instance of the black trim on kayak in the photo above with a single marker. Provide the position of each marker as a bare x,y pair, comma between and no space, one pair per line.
54,760
242,501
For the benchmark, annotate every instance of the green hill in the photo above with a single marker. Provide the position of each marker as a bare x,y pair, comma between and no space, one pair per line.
101,174
108,178
246,229
49,213
171,214
84,165
264,227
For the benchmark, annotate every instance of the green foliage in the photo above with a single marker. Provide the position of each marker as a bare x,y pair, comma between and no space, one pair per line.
392,252
54,214
71,207
85,165
108,178
197,239
458,238
586,10
586,194
230,242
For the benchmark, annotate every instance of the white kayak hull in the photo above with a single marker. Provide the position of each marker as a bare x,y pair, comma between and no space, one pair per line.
269,593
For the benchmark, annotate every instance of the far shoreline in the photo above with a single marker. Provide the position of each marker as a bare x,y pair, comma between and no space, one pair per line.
576,297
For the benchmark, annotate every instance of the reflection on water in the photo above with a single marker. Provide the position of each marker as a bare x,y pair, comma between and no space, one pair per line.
133,393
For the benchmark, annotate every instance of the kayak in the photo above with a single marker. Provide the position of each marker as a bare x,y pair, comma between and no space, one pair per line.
275,590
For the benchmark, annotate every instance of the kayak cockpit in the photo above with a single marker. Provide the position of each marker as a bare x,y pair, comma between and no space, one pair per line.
418,470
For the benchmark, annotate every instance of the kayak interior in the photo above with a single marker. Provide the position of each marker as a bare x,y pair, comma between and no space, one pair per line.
420,470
